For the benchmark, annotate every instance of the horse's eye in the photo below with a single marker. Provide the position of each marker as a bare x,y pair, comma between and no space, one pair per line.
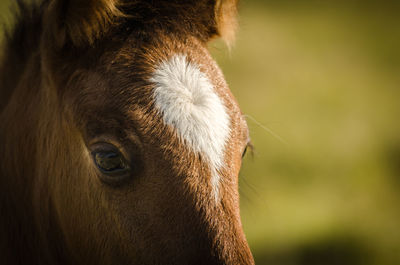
112,164
109,162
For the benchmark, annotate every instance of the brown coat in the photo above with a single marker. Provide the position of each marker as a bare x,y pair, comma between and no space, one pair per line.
75,74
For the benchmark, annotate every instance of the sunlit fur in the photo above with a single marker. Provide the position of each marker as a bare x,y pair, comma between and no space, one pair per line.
78,73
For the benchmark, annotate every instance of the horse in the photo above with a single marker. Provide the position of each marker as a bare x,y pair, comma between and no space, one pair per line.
120,141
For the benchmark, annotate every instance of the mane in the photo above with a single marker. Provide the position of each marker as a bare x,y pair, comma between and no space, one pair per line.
20,42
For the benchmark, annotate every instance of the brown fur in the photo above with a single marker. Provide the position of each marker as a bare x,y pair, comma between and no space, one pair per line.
226,12
82,22
65,93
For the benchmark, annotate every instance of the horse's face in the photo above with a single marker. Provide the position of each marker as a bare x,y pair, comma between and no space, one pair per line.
152,143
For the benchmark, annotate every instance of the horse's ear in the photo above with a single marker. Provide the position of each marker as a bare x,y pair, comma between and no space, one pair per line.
226,19
217,17
81,21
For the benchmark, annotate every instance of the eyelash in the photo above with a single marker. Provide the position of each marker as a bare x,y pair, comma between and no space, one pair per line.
250,147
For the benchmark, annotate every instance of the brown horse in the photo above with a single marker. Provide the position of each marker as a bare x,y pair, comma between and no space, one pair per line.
120,142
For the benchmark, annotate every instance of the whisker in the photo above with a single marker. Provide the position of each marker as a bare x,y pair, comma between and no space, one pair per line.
245,197
250,193
268,130
250,186
246,191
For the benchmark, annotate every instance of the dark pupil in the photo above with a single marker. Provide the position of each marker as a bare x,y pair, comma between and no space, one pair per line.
109,161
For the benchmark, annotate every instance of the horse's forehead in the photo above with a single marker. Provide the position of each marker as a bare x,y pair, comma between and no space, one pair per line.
189,102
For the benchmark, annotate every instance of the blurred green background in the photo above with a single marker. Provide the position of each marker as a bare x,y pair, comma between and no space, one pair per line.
324,77
319,82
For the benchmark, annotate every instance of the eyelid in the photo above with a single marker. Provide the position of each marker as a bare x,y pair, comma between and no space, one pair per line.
110,141
109,147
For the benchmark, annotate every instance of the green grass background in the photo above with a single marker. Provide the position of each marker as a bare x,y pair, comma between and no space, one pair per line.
320,83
